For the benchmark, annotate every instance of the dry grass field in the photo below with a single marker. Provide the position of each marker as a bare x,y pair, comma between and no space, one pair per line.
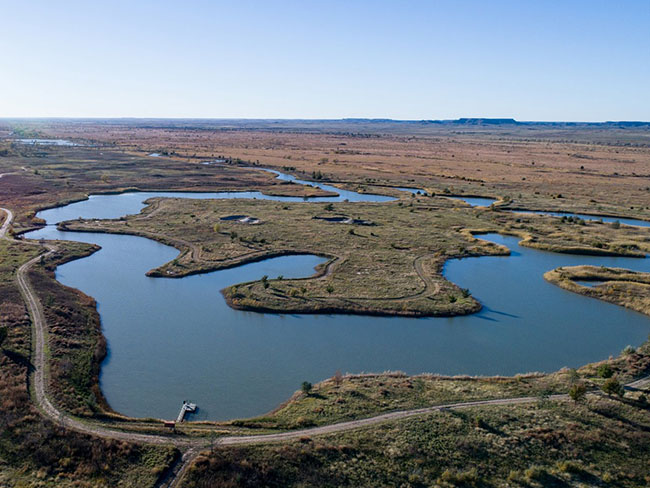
591,168
584,168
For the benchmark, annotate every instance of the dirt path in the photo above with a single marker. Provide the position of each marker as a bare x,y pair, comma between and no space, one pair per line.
7,222
193,446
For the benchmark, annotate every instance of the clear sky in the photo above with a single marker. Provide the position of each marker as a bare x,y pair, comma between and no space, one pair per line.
531,60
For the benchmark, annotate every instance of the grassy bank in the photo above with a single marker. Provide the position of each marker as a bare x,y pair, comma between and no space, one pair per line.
623,287
599,441
33,450
385,258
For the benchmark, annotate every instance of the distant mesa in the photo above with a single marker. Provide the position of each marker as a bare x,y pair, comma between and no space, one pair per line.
485,121
472,121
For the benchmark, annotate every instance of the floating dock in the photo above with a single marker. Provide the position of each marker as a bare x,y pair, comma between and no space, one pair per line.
185,408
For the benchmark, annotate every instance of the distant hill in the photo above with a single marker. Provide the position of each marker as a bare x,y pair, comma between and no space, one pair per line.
472,121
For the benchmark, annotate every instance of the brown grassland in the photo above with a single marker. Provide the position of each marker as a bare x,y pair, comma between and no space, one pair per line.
598,440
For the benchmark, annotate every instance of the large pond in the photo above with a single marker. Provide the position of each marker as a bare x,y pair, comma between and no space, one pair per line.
176,339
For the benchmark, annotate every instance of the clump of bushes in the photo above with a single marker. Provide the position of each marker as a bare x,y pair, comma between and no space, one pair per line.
605,371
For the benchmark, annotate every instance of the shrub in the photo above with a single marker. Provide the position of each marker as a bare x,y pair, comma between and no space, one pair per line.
577,392
306,387
628,350
569,467
338,377
613,387
605,371
535,473
467,478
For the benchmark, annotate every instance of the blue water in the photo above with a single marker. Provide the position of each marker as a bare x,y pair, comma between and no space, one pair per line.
176,339
343,195
476,201
115,206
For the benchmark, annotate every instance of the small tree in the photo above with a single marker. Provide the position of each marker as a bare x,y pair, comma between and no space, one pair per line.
306,387
605,371
338,377
613,387
577,392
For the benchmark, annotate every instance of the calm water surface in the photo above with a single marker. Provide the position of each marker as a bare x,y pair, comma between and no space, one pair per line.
176,339
476,201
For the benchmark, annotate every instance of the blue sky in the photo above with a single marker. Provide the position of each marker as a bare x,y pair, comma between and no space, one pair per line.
532,60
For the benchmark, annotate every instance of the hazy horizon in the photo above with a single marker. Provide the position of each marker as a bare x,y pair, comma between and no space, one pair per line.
320,119
584,61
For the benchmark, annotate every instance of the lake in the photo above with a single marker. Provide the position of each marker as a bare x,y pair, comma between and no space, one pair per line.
176,339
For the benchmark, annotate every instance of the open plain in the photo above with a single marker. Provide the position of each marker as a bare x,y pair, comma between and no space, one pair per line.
383,258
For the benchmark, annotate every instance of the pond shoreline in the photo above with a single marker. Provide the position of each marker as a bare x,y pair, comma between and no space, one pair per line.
387,326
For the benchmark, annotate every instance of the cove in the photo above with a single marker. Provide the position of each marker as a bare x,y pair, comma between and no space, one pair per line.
171,340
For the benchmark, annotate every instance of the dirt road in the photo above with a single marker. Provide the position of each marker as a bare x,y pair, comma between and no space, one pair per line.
6,223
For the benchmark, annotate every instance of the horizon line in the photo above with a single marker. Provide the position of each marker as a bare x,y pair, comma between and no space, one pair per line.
340,119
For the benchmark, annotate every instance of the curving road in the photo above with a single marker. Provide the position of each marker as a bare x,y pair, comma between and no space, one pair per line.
8,220
193,446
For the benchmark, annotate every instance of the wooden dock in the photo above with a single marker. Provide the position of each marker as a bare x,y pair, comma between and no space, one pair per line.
185,408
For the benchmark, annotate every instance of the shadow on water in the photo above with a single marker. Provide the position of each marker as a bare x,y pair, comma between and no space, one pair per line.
491,310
